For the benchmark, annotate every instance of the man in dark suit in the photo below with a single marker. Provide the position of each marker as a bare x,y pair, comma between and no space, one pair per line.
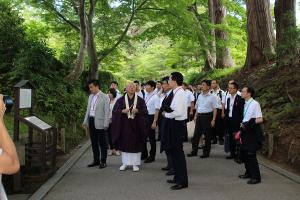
233,116
164,124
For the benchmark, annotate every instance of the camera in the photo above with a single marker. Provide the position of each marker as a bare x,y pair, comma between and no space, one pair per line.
8,101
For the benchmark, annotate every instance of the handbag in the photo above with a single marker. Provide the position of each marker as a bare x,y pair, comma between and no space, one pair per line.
191,129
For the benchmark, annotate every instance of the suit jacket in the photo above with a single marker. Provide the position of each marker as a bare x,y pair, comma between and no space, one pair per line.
237,113
101,113
252,136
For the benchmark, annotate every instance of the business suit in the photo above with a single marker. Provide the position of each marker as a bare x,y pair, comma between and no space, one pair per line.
98,124
233,123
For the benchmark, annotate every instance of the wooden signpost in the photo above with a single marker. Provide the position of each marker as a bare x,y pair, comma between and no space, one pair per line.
40,147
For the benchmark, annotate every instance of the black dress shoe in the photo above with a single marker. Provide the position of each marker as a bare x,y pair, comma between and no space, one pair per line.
201,147
221,142
192,154
171,181
94,164
102,165
178,187
149,160
244,176
170,173
204,156
229,157
165,168
253,181
214,142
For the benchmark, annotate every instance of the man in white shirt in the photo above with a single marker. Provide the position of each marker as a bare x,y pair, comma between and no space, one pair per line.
218,130
205,120
115,85
233,117
97,121
251,137
176,135
153,105
158,88
139,92
225,98
190,99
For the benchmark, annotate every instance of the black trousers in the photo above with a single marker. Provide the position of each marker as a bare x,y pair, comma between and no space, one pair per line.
99,142
251,164
232,142
218,129
111,145
203,126
170,161
152,139
177,153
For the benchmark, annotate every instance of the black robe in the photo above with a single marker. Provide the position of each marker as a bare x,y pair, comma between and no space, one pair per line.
129,135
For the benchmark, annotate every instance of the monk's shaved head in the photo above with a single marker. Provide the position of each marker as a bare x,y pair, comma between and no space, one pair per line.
131,88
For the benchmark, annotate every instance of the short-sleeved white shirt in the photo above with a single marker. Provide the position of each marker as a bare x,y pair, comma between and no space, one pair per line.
219,98
152,102
251,110
189,97
206,103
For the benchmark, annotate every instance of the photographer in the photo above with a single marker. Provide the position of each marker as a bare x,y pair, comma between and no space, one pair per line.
9,162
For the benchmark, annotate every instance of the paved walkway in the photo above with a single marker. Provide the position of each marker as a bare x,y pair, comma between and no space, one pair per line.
214,178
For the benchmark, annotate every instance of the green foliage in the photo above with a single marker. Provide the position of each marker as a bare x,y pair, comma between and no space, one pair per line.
11,41
217,74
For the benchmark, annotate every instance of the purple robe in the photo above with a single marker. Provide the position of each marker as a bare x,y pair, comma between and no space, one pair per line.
129,135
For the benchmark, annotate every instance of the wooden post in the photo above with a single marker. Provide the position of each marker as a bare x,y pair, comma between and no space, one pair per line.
270,145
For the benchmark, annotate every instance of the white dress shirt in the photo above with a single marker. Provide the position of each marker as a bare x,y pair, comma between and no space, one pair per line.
140,94
119,95
232,98
95,100
178,105
2,191
226,96
216,93
251,110
152,102
189,97
206,103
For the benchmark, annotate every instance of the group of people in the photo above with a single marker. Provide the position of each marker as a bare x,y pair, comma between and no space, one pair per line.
124,124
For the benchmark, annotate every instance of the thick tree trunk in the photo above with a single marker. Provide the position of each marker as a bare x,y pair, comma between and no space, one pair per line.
224,58
211,57
261,40
91,46
285,18
79,63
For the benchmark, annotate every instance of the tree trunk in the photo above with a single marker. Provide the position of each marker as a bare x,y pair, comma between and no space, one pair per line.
224,58
79,63
91,46
211,58
286,36
261,40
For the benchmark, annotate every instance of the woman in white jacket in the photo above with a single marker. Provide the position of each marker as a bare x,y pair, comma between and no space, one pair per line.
9,162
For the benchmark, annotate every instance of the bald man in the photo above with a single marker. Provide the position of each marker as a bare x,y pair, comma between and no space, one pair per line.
129,131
